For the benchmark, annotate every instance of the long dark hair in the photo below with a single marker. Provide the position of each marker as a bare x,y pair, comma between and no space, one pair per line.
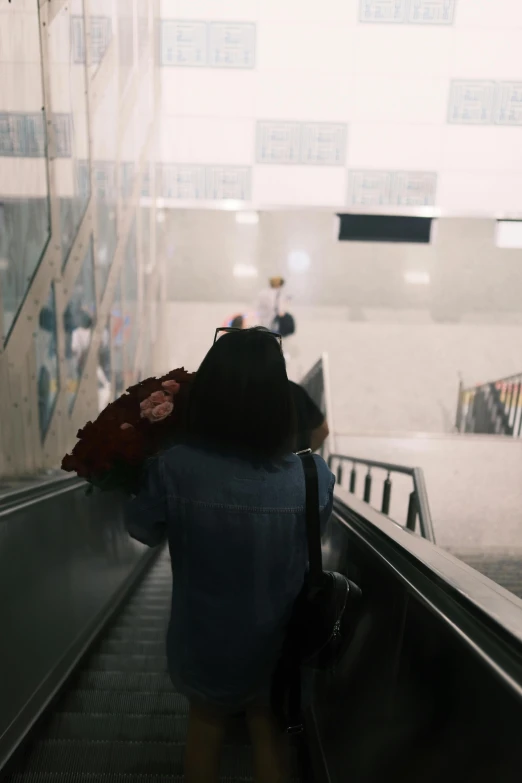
240,401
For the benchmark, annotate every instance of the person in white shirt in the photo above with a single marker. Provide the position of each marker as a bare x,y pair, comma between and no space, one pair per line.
271,303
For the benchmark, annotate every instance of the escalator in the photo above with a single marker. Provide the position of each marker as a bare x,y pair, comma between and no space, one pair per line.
430,688
504,568
120,718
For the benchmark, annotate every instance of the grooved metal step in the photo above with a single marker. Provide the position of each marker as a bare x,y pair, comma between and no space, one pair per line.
147,728
138,757
125,703
150,682
127,663
138,634
129,647
99,777
121,720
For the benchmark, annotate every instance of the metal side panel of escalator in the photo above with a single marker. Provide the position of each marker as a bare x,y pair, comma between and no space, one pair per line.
429,689
119,718
84,672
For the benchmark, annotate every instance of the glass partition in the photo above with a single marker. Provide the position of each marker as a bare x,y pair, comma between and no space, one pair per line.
24,197
144,26
104,149
104,369
125,9
68,80
101,27
47,371
78,321
130,294
118,333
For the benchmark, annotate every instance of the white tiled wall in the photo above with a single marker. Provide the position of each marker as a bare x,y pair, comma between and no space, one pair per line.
422,86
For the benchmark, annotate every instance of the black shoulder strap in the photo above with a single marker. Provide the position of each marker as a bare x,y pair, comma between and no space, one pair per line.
313,521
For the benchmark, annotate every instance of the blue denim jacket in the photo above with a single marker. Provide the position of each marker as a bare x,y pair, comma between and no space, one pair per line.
237,539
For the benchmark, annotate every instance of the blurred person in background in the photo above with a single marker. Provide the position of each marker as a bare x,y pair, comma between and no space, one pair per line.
272,303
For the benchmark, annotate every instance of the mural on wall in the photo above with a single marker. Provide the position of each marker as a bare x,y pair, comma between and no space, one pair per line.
57,277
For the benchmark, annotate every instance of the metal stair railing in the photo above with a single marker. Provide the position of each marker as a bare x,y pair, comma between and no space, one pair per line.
493,408
418,505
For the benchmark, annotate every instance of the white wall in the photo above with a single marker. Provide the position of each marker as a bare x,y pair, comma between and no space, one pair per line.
433,99
473,484
396,349
386,377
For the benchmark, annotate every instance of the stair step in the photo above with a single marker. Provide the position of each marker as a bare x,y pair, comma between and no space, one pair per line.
120,647
152,682
136,757
140,621
147,728
124,703
100,777
138,634
127,663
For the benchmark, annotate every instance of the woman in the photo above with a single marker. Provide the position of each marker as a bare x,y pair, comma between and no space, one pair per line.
232,503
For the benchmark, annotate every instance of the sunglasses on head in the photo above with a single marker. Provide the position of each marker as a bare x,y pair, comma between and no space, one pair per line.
224,329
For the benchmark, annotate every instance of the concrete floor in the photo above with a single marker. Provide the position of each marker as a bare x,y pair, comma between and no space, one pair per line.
474,484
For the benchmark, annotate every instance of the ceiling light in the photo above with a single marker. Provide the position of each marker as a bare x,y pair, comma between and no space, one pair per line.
245,270
247,218
416,277
232,204
509,233
298,261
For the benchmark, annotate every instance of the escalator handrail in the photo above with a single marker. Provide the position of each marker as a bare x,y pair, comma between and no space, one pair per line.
481,613
19,498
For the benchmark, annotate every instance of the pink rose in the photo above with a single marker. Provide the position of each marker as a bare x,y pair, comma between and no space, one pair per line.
171,387
126,426
157,397
158,412
146,405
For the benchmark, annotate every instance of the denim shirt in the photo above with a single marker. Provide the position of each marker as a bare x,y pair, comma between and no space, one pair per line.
237,539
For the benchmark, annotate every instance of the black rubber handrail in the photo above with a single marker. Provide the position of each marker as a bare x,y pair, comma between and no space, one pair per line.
483,614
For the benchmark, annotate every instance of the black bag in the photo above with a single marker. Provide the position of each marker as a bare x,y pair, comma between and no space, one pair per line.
284,325
322,619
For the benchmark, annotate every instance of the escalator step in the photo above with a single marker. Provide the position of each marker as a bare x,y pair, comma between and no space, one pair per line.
121,681
159,621
127,703
119,647
138,634
127,663
161,612
136,757
147,728
90,777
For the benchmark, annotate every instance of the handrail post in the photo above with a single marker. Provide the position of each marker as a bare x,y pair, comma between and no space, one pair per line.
423,506
386,495
460,406
411,520
368,486
353,478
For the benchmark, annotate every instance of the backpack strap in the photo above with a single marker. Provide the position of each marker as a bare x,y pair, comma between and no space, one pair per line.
313,520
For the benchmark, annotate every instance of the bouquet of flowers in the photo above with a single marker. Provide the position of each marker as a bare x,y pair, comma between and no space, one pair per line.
148,418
